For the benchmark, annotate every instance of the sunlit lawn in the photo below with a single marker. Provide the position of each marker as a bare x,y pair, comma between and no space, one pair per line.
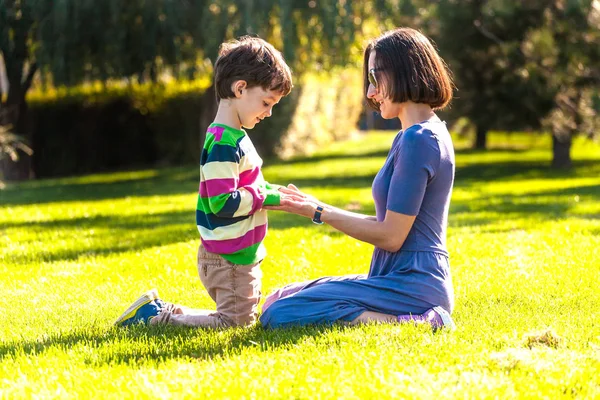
523,239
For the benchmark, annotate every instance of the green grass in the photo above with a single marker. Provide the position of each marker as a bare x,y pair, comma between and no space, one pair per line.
523,239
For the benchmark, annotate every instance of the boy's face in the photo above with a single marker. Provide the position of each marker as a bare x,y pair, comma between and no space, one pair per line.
255,104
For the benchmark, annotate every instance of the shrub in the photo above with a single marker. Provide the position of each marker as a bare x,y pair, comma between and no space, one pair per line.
96,128
328,109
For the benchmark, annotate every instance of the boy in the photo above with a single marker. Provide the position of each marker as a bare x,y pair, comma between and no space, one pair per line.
250,76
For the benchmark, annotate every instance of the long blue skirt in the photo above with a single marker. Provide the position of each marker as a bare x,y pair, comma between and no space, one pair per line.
414,283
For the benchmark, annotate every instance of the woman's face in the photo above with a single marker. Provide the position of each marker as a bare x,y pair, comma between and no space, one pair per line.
388,109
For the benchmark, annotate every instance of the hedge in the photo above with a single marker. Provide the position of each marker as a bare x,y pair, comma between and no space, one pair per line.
98,128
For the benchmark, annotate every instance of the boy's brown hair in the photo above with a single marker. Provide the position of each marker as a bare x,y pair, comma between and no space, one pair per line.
410,68
253,60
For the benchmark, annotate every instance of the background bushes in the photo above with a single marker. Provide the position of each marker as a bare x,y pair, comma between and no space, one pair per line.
88,130
328,109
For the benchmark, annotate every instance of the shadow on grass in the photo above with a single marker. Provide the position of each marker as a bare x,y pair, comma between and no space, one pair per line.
165,228
168,181
184,180
160,343
325,157
352,182
550,203
385,151
537,207
485,172
108,235
119,234
499,149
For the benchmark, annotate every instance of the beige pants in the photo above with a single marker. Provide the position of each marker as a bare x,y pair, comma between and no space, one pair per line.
235,289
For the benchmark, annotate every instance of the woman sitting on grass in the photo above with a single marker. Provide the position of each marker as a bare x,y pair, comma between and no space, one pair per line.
409,277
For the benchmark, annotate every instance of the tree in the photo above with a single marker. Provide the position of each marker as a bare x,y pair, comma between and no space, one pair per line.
67,42
76,41
481,40
525,65
566,51
17,20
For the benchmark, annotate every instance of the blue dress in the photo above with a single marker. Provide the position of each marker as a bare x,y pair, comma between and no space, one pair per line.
416,179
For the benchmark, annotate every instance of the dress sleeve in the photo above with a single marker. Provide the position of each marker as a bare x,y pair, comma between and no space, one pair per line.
416,160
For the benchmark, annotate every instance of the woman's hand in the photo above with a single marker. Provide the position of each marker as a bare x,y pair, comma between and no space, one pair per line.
292,190
295,205
296,202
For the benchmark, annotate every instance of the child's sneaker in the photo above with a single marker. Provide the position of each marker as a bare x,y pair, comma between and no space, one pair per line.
142,310
437,317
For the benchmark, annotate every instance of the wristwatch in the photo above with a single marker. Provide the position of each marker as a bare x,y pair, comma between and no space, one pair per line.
317,217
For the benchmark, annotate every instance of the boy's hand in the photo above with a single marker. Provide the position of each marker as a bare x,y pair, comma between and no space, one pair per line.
296,205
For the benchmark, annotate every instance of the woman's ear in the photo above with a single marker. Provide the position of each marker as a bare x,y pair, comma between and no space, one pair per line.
238,88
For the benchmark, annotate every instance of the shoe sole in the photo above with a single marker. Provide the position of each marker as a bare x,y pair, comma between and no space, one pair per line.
446,318
143,300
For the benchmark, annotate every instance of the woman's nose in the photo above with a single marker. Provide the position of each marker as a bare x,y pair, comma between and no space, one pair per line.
371,91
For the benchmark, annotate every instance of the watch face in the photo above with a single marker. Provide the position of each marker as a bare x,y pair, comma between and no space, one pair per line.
317,217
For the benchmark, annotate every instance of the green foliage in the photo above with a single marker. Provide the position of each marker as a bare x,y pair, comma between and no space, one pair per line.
336,24
481,41
321,108
523,65
78,41
517,65
86,40
523,242
94,128
570,62
148,96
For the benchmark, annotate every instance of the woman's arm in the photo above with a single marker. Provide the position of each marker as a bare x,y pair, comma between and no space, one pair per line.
292,192
415,163
388,234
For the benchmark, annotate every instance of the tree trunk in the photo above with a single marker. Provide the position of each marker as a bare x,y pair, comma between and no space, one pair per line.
561,151
481,137
13,113
20,71
21,169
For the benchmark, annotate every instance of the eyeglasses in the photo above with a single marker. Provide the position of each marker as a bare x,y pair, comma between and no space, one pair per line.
373,78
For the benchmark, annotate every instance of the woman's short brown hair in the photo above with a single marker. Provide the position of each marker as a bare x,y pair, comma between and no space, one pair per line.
253,60
410,69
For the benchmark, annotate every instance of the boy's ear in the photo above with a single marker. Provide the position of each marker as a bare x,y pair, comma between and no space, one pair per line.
238,88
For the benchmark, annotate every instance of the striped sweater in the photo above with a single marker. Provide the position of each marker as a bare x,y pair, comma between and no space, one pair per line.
232,193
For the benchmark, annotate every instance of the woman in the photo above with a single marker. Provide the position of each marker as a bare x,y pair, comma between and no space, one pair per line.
409,277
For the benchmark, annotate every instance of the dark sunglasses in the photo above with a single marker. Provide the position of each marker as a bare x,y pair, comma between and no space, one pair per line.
373,78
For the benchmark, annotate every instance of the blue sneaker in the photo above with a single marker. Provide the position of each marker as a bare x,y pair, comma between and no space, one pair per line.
142,310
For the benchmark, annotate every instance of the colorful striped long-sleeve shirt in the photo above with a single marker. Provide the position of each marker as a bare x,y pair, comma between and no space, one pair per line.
232,193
